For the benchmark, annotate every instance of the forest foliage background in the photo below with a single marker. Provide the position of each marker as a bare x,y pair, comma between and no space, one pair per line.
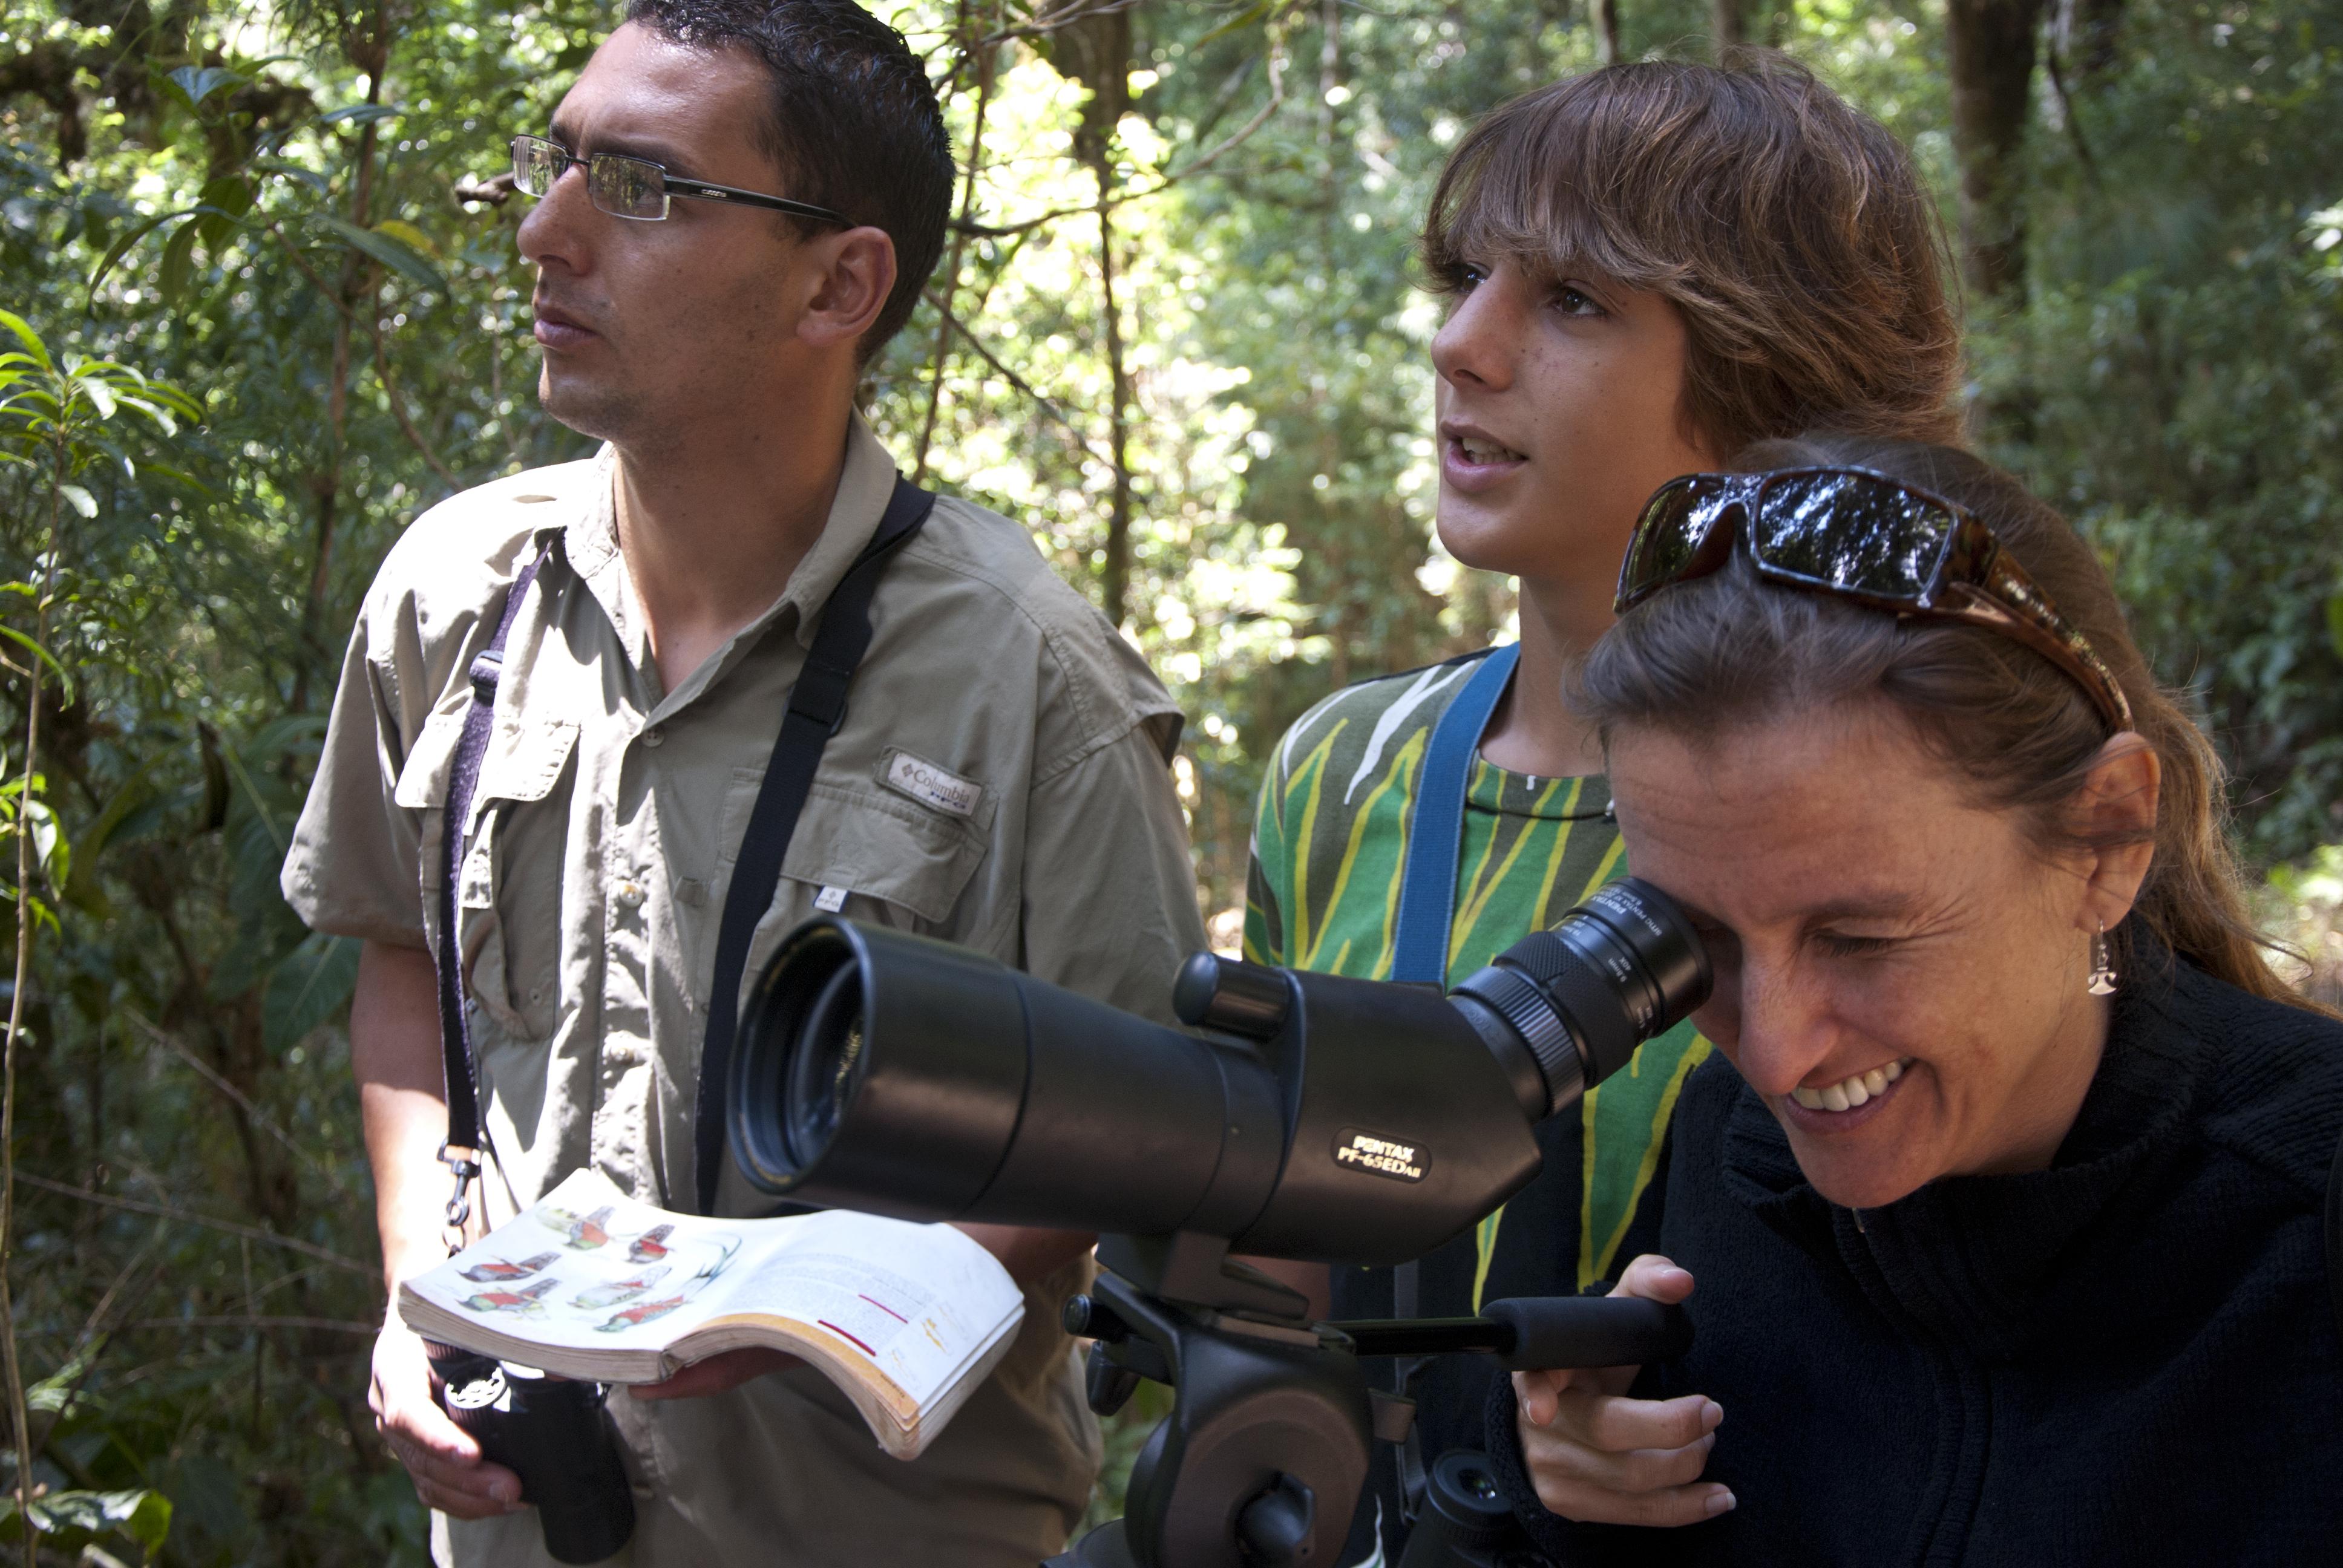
1177,330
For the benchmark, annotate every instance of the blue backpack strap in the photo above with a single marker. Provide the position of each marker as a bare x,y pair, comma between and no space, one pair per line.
1436,834
1427,905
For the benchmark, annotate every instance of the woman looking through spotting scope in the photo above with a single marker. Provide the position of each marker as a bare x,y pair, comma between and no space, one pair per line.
2005,1196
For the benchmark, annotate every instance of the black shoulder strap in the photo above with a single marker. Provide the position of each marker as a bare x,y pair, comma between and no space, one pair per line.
817,707
462,1149
2334,1234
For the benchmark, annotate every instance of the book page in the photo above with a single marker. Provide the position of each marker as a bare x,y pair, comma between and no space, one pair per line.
917,1302
590,1269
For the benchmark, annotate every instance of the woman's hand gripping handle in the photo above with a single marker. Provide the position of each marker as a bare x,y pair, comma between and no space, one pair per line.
1596,1455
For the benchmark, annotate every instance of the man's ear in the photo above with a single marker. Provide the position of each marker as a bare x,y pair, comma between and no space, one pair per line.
853,274
2116,808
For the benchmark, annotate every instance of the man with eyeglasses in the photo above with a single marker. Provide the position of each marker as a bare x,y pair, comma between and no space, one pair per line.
997,777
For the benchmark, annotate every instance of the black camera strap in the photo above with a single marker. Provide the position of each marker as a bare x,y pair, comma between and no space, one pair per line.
461,1151
817,707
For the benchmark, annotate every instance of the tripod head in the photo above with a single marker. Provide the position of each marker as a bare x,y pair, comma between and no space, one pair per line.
1260,1462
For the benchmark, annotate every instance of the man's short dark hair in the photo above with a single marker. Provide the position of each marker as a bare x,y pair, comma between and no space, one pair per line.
854,125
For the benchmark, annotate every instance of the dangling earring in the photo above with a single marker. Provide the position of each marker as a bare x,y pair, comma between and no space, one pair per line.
2103,972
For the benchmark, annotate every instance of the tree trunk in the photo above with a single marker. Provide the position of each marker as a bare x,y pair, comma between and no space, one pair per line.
2086,34
314,651
1728,27
1991,47
1092,46
987,58
1606,30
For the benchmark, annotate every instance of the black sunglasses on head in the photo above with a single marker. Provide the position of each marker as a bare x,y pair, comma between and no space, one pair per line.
1855,534
638,188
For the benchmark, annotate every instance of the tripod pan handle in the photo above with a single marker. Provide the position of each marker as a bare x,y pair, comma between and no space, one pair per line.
1552,1332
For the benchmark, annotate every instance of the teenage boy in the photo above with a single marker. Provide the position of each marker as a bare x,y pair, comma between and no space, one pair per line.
1648,266
737,204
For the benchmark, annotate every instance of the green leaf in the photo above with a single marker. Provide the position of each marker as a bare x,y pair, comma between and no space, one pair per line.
178,263
360,113
24,639
2334,620
55,1391
82,889
197,83
100,395
1244,18
224,202
393,253
81,500
408,235
30,339
179,475
50,846
306,988
120,248
72,1519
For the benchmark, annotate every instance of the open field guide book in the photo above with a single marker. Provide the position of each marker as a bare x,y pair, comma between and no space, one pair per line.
906,1319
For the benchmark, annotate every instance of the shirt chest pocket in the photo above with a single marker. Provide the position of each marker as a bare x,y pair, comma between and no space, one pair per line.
865,855
509,880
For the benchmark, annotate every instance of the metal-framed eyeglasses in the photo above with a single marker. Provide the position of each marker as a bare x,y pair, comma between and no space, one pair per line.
638,188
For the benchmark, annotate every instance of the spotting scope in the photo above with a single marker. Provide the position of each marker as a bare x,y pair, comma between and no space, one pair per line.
1311,1117
1345,1121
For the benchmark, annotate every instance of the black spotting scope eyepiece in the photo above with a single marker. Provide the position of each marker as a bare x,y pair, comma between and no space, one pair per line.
1350,1120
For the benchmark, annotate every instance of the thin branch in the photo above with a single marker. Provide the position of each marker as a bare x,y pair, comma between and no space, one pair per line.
1065,18
472,191
188,1216
398,407
301,264
1236,138
263,1321
1024,387
213,1076
93,1341
2067,113
20,1425
381,357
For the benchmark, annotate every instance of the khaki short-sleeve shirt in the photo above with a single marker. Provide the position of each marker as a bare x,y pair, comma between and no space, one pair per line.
999,782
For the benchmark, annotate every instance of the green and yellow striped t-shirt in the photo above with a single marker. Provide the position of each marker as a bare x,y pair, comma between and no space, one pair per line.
1329,842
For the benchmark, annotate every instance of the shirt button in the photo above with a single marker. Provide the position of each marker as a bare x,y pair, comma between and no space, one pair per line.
630,894
655,736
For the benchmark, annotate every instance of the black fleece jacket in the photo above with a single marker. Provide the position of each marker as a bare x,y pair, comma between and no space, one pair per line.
2129,1358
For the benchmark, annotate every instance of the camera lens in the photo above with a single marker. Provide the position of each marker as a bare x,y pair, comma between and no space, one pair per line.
823,1070
1621,967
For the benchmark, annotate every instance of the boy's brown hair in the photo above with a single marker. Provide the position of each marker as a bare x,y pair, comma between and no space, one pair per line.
1789,228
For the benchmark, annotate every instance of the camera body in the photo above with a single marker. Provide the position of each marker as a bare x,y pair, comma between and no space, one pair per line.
553,1434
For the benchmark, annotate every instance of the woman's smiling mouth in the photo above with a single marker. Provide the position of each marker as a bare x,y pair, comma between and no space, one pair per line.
1847,1104
1852,1090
